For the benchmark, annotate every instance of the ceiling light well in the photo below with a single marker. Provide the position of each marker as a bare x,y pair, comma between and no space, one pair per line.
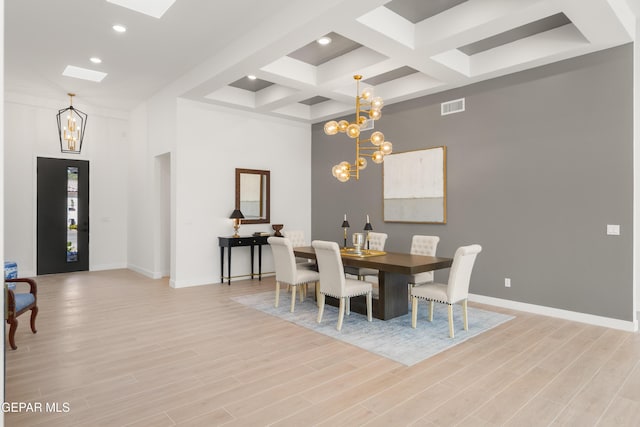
83,73
154,8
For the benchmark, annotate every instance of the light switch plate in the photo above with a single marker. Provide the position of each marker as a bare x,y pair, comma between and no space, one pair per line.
613,230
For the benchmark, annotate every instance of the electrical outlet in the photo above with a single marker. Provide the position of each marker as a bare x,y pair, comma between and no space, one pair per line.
507,282
613,229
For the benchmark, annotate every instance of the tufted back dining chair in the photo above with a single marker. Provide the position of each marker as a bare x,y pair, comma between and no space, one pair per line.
296,237
334,283
456,290
423,245
286,270
376,243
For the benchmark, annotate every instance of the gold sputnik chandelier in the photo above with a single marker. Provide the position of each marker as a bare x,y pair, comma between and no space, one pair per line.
366,105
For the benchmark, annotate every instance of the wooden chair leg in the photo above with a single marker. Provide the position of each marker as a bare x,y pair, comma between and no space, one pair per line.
414,312
34,313
320,307
369,308
293,297
450,306
277,293
341,313
430,311
464,315
12,333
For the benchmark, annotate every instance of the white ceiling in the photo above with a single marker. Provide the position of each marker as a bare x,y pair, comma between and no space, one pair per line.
199,48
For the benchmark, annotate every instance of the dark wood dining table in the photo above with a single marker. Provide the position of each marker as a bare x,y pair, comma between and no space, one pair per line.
393,278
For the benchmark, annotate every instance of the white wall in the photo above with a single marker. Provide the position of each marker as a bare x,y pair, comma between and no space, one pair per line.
212,142
32,134
139,228
153,136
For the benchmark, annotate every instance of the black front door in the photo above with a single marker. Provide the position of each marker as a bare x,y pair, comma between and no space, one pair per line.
63,215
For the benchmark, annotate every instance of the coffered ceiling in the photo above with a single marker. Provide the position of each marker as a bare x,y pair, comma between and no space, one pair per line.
204,50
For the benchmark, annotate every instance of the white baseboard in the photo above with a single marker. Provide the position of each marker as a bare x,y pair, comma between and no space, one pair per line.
145,272
630,326
103,267
209,281
190,283
23,274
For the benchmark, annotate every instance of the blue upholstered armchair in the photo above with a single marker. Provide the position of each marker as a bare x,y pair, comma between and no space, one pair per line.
18,303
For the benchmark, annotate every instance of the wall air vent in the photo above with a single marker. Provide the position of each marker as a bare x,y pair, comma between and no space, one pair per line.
450,107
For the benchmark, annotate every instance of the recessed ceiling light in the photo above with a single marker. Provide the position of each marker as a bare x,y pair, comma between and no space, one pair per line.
95,60
83,73
155,8
251,77
324,40
119,28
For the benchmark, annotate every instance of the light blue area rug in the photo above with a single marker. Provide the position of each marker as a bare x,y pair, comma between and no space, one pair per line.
393,339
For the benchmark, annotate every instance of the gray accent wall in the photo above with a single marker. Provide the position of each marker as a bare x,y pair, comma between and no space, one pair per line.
537,166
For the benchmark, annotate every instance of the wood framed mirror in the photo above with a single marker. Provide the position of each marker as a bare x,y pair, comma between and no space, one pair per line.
252,195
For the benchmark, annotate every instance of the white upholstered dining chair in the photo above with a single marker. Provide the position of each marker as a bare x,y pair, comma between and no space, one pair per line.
423,245
297,239
286,270
376,243
334,283
456,290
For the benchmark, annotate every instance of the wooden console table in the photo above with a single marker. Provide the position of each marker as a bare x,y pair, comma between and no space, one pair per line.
230,242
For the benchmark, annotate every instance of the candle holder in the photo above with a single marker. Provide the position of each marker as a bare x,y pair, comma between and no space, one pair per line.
345,225
368,227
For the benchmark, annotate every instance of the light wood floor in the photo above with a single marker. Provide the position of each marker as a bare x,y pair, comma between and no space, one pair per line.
122,349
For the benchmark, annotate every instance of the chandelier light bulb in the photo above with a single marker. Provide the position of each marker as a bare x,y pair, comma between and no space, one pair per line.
335,170
386,148
345,166
331,128
367,93
377,157
343,125
362,163
375,113
344,176
377,103
353,130
377,138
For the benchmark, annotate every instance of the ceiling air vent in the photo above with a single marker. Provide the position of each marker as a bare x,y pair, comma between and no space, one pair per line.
450,107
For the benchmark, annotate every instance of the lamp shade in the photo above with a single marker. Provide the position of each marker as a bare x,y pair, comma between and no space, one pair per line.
368,227
236,214
345,224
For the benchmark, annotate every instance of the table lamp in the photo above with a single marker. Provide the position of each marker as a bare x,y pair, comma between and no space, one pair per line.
345,225
236,216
